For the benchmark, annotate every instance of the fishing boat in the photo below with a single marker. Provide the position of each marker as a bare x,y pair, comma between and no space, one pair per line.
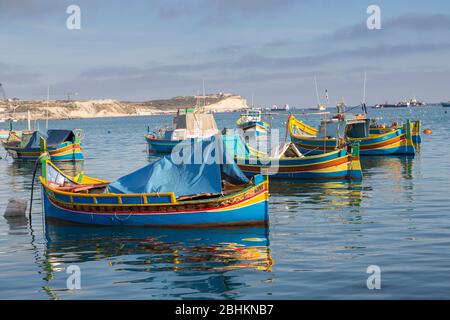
165,193
63,145
445,104
188,125
287,162
251,121
355,128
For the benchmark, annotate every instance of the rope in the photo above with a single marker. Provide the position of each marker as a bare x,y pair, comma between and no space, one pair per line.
122,220
32,181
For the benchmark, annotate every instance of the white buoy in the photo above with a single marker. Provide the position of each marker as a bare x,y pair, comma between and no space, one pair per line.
16,208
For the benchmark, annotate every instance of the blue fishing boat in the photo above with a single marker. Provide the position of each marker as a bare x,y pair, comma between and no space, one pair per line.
188,125
445,104
62,145
251,122
164,193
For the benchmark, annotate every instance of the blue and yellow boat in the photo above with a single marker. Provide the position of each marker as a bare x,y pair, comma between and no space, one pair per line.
62,145
163,193
251,121
287,162
335,131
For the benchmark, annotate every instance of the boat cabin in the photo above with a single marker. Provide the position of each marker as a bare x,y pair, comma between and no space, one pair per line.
341,127
252,115
192,125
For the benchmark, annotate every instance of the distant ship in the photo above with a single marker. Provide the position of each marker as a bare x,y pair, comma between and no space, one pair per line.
416,103
445,104
403,104
275,108
320,107
387,105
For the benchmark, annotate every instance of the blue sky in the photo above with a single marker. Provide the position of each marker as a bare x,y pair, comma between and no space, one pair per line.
140,50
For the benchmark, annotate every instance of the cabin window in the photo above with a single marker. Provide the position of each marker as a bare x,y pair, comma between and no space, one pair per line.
356,130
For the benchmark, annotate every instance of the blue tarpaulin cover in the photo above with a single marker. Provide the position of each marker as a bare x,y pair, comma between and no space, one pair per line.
54,137
35,140
235,145
58,136
184,179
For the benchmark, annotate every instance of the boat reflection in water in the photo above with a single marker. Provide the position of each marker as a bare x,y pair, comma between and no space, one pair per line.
138,255
325,194
24,170
396,167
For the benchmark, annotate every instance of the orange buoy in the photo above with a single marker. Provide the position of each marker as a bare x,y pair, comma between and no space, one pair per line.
428,131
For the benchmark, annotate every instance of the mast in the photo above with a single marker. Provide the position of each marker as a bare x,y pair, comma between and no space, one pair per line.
204,97
46,118
317,93
29,120
364,90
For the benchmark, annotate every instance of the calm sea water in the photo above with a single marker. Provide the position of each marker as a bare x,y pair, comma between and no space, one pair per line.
321,239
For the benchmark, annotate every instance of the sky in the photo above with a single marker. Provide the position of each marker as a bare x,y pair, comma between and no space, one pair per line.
272,50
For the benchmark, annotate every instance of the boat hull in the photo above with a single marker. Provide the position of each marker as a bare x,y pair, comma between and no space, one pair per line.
395,144
166,146
64,152
247,209
326,166
260,128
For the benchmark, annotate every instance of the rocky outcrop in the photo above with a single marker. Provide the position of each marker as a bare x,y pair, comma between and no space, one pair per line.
63,109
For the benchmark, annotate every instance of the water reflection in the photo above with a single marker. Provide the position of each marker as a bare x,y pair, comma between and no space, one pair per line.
16,223
143,252
326,193
398,167
23,170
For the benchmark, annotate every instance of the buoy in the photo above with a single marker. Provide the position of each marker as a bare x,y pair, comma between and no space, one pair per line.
16,208
428,131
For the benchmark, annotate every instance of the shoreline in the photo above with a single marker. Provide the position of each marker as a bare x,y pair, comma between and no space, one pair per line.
106,116
101,108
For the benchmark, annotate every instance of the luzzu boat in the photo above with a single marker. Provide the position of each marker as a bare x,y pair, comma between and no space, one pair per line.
62,145
332,132
188,124
251,121
162,193
287,162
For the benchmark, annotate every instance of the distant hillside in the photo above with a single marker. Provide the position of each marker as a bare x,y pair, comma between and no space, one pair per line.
64,109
